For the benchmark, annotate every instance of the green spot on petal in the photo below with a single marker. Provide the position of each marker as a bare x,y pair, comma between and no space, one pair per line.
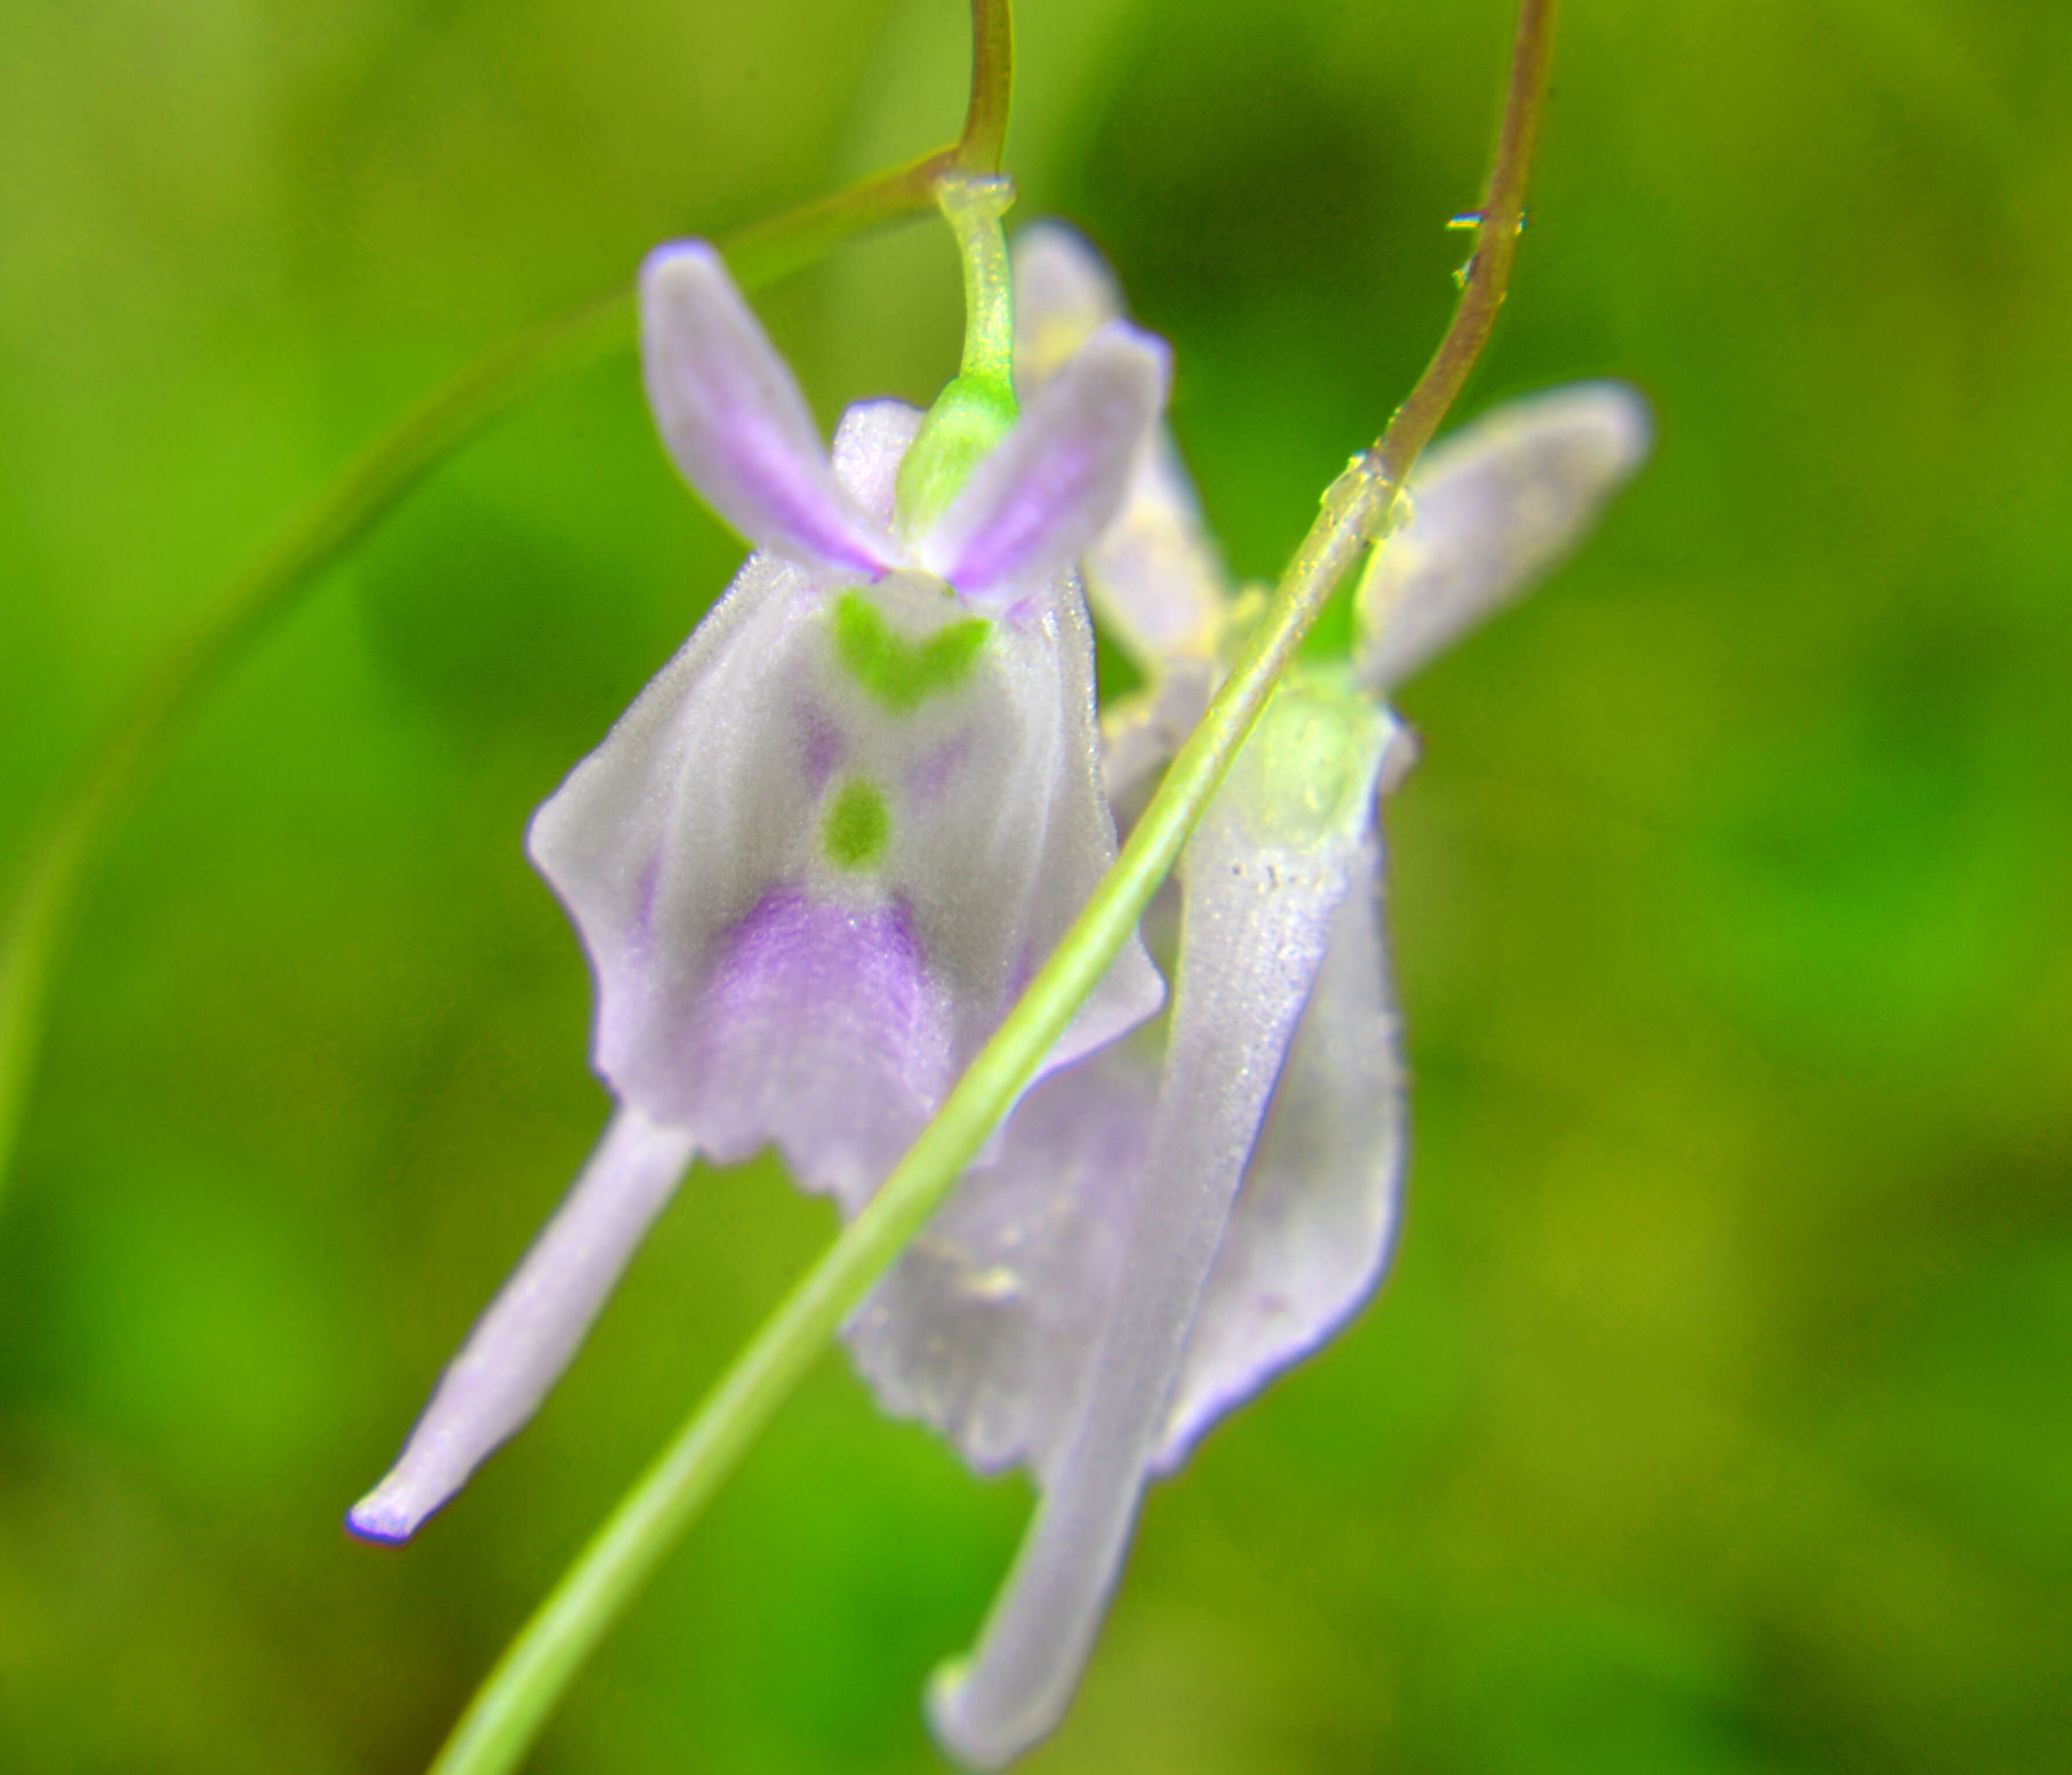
1303,777
858,826
899,672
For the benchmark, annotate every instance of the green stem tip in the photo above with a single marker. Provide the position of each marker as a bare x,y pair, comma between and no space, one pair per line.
977,408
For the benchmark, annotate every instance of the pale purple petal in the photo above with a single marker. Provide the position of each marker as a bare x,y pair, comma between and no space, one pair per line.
1141,733
1492,509
700,800
820,1026
734,419
1316,1219
1154,579
533,1329
871,443
1063,293
688,848
1262,894
1001,829
984,1328
1051,485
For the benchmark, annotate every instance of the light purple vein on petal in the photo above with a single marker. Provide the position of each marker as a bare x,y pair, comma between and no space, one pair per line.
734,420
821,1027
1055,480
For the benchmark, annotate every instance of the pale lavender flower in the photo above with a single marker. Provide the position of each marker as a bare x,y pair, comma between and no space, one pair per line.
817,859
1164,1231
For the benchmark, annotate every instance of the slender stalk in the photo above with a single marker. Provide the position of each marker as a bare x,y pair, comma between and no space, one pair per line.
1502,220
984,141
513,1704
58,859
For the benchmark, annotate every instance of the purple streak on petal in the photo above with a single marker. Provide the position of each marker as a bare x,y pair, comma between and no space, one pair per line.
735,422
1052,484
825,746
929,777
819,1027
640,938
534,1326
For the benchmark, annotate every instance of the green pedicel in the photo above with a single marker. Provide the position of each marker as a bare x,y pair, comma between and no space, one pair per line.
974,412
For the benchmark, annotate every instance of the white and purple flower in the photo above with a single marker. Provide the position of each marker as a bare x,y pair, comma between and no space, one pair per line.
818,858
1169,1225
815,862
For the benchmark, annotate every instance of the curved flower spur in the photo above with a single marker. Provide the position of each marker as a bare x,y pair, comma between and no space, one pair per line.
815,861
1161,1235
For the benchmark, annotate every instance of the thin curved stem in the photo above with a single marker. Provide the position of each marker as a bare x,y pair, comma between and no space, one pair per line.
1501,221
58,860
983,141
513,1704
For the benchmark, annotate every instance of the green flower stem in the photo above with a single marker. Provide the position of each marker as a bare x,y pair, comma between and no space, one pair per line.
37,918
513,1704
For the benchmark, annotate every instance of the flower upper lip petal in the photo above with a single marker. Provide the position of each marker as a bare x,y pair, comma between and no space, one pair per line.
734,420
1040,497
1064,290
1492,508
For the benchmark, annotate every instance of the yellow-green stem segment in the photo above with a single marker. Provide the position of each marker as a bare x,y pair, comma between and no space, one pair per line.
974,412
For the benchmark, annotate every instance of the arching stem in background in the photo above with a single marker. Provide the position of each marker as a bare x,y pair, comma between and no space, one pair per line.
57,862
512,1705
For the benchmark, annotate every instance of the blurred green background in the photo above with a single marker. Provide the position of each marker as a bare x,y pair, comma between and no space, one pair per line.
1715,1418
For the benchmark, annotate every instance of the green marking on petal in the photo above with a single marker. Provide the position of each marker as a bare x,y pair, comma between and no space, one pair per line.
858,826
899,672
1304,775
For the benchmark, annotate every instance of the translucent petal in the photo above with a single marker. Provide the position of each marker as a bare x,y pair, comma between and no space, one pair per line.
986,1326
1263,887
1152,576
1036,501
1315,1222
1079,844
673,830
1140,733
1063,293
869,445
1493,508
534,1326
982,1329
733,418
